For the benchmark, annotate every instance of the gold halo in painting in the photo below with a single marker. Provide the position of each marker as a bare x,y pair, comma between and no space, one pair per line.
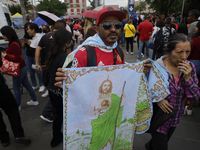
112,77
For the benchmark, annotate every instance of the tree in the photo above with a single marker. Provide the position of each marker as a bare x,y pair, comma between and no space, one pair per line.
23,10
77,132
14,9
173,6
140,7
53,6
28,6
92,3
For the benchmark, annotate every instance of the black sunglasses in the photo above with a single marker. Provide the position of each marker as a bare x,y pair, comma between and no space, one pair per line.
108,25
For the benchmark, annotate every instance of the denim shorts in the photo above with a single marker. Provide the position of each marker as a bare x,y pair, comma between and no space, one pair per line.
197,66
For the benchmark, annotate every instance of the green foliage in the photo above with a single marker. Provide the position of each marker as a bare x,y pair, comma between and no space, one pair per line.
122,141
142,105
77,132
53,6
173,6
28,6
131,120
85,133
14,9
140,7
123,121
92,4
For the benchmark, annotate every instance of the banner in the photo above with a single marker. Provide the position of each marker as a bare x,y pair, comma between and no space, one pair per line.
105,106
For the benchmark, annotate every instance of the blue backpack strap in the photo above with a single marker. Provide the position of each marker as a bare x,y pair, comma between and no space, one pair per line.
91,55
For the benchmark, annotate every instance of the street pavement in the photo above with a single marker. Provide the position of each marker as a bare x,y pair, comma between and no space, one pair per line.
185,137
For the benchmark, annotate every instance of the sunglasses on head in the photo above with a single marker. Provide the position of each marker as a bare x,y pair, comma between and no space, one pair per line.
108,25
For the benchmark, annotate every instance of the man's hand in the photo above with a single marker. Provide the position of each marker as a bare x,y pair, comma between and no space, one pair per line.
147,65
60,76
165,106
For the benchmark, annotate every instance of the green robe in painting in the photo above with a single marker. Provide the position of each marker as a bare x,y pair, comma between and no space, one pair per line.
103,128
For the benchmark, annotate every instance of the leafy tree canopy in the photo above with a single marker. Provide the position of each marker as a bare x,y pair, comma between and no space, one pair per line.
140,7
173,6
53,6
14,9
28,6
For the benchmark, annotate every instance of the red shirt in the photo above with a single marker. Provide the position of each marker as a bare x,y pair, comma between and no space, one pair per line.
14,54
195,49
104,57
76,26
145,28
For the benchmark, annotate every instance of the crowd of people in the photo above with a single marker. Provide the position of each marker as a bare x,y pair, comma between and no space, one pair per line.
48,47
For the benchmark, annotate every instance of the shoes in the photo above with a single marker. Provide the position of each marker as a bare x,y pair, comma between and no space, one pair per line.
56,140
41,89
34,88
5,143
19,108
22,140
127,52
46,119
132,53
138,60
142,55
187,112
45,94
32,103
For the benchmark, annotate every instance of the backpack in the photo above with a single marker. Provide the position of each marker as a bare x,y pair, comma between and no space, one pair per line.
91,55
159,41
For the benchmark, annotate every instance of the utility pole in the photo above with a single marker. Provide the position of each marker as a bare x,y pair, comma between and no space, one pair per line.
96,3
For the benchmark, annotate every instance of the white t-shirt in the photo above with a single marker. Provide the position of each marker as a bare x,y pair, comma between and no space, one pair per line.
35,40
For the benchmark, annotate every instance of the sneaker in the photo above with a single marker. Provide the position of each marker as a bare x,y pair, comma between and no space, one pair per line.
132,53
22,140
46,119
127,52
42,88
45,94
32,103
34,88
19,108
142,55
185,111
189,112
138,60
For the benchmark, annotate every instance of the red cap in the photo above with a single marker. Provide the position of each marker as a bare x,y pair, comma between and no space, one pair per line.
109,11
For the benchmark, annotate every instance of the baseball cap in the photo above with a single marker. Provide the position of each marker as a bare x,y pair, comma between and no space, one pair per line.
109,11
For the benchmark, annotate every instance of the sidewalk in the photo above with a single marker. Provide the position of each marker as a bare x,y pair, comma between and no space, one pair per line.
186,136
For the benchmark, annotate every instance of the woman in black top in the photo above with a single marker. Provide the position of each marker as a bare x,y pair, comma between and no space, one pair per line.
57,55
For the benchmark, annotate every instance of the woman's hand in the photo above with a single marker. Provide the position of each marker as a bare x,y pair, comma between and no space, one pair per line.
3,55
29,43
60,76
147,65
186,69
165,106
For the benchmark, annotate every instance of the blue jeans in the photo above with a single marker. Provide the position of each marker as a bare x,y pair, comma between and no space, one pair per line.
122,40
197,66
22,79
29,62
140,49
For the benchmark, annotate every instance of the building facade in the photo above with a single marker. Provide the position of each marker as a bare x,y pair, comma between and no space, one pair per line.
76,7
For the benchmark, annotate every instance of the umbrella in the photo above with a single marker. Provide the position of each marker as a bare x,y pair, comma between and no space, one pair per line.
90,14
39,21
48,17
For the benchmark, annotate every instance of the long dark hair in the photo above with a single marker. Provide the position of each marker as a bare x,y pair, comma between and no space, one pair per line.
198,26
26,35
35,27
62,37
10,33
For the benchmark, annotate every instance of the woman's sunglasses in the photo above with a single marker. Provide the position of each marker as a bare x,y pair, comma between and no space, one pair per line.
108,25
